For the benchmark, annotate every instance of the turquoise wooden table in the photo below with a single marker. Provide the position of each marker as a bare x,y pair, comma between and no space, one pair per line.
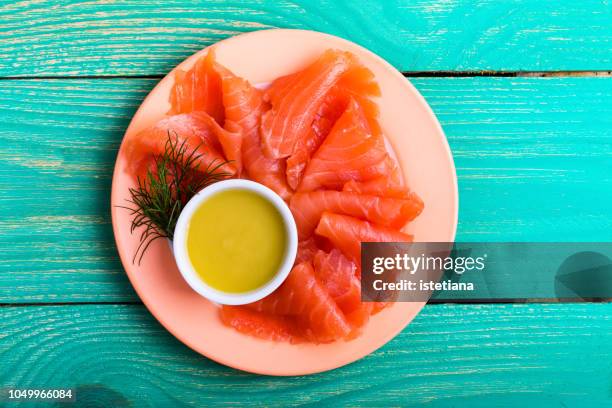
523,92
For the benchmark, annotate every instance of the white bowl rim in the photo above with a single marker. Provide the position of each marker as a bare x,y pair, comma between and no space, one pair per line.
179,244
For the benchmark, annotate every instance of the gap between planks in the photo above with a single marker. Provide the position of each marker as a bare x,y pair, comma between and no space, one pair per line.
431,302
408,74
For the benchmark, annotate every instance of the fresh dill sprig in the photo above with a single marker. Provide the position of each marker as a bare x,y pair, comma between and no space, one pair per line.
167,186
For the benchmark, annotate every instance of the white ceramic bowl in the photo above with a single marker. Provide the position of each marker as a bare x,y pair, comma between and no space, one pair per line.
185,267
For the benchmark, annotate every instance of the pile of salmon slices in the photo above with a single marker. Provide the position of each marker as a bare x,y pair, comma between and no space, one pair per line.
314,138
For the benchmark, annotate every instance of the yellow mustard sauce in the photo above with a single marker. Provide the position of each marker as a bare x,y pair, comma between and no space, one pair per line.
236,241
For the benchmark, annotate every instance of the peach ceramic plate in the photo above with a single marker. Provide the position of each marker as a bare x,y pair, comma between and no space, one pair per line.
419,144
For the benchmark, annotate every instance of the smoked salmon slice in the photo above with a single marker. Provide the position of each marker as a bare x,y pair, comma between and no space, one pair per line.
359,317
260,325
391,185
357,83
296,163
351,151
307,248
391,212
295,104
381,187
303,296
198,89
347,233
231,86
243,108
203,89
337,274
198,131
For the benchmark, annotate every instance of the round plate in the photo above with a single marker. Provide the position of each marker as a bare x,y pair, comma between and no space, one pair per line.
422,151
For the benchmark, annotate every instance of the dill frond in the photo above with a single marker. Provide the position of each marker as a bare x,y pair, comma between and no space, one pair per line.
167,186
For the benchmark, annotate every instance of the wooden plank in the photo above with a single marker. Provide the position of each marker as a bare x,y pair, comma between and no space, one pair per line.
478,355
532,156
136,37
59,142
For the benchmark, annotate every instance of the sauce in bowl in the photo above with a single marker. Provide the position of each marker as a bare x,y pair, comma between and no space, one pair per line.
235,242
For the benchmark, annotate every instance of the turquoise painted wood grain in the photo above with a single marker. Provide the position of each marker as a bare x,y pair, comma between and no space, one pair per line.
532,157
60,141
451,355
532,154
135,37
